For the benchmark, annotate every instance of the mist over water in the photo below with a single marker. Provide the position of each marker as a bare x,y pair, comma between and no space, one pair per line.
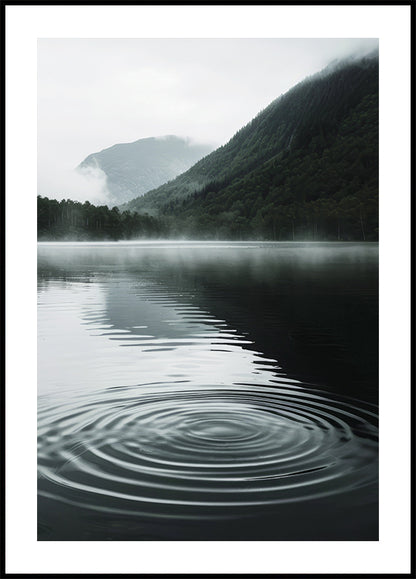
207,391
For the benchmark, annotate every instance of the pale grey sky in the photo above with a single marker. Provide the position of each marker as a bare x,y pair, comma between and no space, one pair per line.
94,93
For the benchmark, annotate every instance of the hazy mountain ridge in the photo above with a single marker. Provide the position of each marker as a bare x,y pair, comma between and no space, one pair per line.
134,168
316,144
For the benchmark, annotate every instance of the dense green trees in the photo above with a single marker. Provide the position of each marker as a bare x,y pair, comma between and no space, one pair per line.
72,220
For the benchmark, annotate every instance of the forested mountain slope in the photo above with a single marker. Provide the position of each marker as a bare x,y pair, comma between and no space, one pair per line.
306,167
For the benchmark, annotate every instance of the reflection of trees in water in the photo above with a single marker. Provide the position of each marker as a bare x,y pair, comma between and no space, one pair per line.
313,310
322,325
319,322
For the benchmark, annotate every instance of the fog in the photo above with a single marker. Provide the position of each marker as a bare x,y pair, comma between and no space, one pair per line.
63,182
94,93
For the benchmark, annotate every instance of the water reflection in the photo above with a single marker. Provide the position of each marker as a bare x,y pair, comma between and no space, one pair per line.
126,331
162,397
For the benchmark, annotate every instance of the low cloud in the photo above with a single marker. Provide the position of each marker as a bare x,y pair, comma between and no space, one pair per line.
86,184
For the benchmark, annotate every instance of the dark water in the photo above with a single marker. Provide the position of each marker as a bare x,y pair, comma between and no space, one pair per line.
208,391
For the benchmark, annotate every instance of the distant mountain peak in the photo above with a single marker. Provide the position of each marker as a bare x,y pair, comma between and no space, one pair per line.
132,169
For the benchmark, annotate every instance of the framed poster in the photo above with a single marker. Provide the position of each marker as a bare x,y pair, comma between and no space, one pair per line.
209,355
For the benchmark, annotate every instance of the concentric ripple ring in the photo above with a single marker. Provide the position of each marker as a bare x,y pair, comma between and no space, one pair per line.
154,449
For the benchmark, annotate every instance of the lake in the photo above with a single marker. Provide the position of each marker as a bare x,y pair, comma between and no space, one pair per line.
207,391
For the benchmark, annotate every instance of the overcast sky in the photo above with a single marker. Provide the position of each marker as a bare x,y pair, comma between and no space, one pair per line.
94,93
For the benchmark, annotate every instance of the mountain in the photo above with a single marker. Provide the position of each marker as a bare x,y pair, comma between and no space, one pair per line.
134,168
306,167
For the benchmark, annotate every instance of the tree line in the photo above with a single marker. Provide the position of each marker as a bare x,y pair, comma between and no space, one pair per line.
77,221
350,218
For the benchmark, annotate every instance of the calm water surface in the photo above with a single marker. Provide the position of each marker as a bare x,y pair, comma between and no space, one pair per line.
207,391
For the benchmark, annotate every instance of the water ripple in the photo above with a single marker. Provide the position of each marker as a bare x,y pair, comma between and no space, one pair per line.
173,450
